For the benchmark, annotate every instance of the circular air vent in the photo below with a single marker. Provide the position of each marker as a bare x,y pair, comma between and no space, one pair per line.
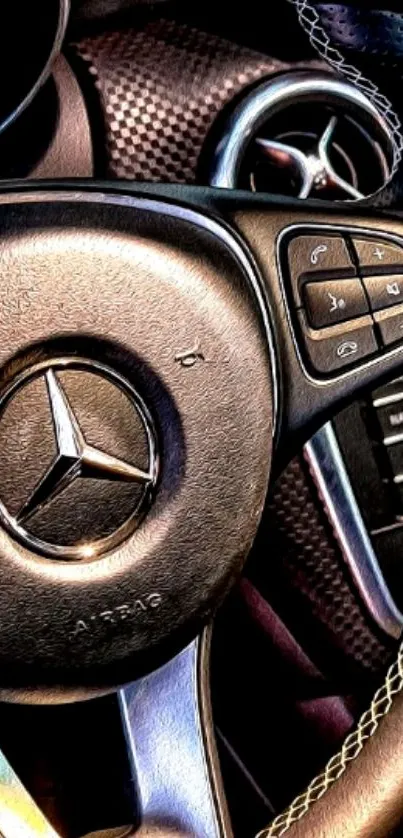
306,135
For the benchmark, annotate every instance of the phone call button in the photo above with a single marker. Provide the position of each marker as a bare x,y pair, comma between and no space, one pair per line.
318,255
338,347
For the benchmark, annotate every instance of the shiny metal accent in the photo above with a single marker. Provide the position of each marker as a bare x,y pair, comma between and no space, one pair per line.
384,401
20,817
75,459
329,473
392,440
167,721
325,172
168,727
315,169
287,156
46,70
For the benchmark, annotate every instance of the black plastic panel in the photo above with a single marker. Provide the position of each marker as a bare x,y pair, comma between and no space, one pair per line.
368,433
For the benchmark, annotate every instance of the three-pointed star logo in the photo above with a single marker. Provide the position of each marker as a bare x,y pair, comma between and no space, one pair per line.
74,457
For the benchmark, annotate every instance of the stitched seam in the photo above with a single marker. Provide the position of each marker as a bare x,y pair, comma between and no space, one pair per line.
393,685
310,22
353,745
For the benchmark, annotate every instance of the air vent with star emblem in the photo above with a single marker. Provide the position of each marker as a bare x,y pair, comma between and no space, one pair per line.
305,135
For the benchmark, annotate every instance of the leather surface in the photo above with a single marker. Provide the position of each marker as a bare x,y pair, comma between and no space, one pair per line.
310,584
129,297
155,94
358,28
69,153
59,131
366,802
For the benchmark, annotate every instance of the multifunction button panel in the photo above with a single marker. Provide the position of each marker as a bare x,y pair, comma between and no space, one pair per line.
387,405
347,290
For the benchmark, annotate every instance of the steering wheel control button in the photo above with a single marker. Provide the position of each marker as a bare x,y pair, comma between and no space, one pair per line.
390,324
78,459
390,419
322,255
375,256
384,291
334,301
338,347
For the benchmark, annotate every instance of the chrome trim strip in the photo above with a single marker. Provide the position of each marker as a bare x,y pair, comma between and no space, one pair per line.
392,440
328,470
383,401
64,12
217,228
165,725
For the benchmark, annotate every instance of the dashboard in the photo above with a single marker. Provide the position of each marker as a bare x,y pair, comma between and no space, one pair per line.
168,92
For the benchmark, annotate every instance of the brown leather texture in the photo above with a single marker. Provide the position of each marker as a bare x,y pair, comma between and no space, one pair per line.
156,92
370,807
359,795
64,239
366,802
69,153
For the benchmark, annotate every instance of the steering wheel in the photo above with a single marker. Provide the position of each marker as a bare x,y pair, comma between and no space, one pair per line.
163,351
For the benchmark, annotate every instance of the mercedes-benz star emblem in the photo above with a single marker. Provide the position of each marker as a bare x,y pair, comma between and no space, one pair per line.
80,499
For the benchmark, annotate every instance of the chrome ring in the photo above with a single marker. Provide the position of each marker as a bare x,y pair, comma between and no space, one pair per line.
64,11
271,96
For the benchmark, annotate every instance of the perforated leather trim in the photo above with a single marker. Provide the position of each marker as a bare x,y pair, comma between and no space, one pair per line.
161,86
310,21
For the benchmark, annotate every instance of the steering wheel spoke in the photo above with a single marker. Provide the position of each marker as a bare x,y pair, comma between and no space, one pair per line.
224,329
168,726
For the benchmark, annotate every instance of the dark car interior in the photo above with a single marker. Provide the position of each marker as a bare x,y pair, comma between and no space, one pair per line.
201,418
